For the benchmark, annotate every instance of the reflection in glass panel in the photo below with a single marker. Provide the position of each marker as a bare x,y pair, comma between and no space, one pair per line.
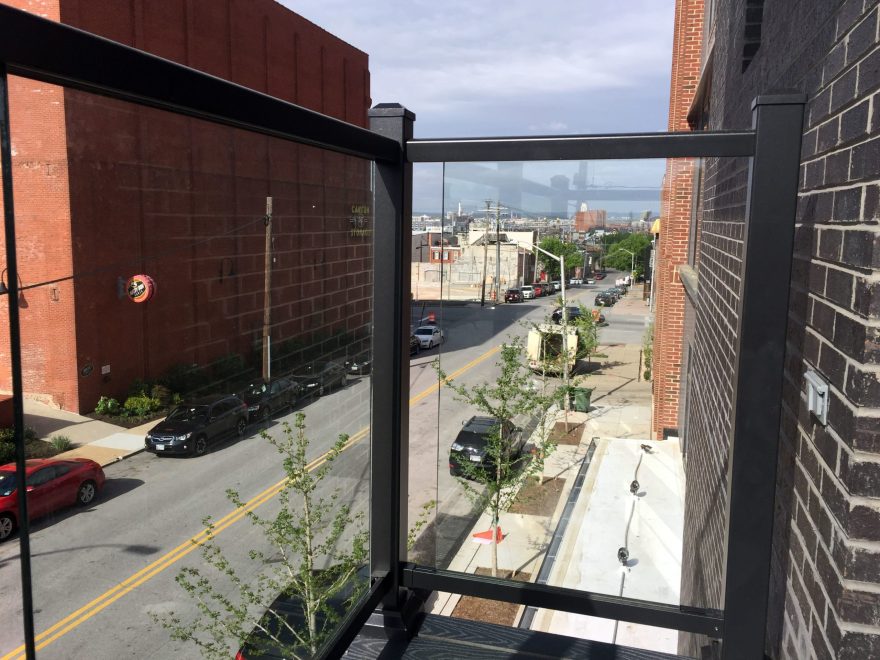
558,480
12,628
190,291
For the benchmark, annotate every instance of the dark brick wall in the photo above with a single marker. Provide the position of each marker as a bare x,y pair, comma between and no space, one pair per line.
825,576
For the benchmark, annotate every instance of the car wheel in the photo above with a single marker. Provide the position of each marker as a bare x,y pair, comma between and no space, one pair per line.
265,413
200,446
241,427
430,344
86,493
321,390
7,526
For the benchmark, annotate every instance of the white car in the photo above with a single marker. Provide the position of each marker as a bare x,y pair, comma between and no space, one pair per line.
528,292
429,336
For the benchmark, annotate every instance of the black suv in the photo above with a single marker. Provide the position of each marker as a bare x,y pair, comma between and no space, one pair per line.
191,427
320,378
573,313
605,299
471,444
264,398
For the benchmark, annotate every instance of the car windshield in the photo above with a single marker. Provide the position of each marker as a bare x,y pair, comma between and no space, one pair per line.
7,483
256,388
425,331
188,413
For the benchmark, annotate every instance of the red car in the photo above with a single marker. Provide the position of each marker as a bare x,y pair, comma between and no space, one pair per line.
51,485
540,289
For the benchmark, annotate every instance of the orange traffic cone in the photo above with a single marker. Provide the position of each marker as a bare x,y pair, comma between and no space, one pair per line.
486,537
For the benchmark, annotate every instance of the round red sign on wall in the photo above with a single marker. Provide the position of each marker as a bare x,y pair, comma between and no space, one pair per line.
140,288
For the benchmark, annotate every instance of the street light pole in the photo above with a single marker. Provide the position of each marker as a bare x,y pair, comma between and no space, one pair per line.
565,375
632,263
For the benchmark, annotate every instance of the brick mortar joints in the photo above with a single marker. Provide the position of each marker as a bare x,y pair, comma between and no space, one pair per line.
809,601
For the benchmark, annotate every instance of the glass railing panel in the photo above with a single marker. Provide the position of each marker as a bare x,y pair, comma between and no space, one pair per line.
576,434
196,319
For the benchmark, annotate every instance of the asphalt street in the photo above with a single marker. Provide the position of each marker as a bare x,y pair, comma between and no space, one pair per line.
100,573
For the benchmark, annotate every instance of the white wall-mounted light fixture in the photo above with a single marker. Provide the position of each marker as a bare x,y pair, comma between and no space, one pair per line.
817,396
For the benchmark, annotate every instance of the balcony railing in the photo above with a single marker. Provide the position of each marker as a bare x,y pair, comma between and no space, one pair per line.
42,50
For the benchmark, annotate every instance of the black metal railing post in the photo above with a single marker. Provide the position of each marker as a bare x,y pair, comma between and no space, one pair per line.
27,611
768,238
392,211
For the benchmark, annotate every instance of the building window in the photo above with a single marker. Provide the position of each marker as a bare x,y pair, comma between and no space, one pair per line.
752,36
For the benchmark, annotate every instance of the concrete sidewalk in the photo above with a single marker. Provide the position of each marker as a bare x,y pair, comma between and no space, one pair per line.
102,442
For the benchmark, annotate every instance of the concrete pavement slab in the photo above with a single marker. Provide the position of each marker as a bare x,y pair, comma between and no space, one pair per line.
608,517
126,441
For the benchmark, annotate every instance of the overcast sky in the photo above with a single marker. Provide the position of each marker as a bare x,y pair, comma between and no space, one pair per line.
519,67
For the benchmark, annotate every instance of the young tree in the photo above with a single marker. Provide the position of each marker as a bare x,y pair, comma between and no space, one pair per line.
587,326
493,483
318,545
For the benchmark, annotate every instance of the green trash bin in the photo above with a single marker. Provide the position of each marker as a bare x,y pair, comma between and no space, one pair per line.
579,399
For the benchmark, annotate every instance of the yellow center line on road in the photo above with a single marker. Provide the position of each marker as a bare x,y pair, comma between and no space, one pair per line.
113,594
455,374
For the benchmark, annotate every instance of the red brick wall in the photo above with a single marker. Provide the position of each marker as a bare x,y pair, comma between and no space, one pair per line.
150,192
675,223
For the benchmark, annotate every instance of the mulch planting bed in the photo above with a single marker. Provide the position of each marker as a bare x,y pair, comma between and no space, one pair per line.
560,436
489,611
539,499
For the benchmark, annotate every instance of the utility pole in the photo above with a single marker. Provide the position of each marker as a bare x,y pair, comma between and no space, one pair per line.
497,252
267,297
485,254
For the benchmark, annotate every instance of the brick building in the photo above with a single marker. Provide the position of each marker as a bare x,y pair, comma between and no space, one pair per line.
106,190
588,219
825,593
675,211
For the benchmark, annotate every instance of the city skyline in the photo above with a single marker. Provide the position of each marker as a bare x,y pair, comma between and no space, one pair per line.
502,69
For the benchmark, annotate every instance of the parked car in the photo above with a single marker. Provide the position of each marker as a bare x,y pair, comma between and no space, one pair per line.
192,427
614,293
51,484
599,276
264,398
557,285
513,295
540,289
573,313
320,378
471,446
575,281
528,292
285,615
415,346
430,336
360,364
604,299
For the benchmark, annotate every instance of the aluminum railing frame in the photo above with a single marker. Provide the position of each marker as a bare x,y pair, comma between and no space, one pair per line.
117,71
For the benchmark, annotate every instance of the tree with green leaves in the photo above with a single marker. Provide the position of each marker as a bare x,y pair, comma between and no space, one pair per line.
318,546
493,484
555,245
587,327
617,256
